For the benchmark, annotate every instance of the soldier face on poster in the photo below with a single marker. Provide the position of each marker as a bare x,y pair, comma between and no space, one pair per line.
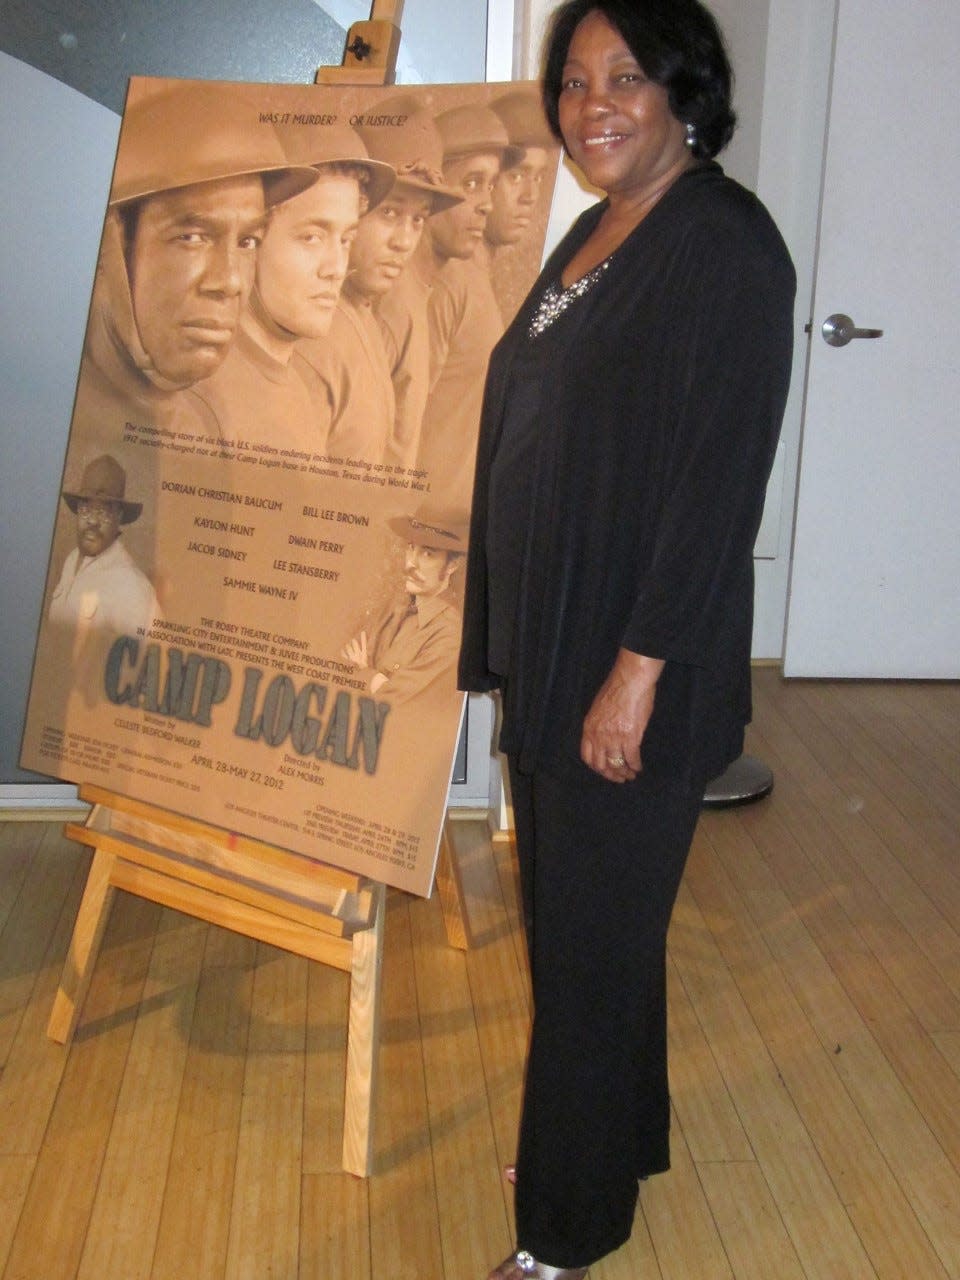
252,613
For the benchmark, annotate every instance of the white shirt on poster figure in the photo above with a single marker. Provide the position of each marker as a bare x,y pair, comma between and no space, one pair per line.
105,591
102,592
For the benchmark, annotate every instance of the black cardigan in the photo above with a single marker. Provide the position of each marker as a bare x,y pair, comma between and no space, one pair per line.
657,437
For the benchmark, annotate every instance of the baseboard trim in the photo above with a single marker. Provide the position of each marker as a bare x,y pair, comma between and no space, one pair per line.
39,802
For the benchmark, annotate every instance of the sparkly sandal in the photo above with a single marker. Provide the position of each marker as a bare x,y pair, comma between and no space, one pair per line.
524,1266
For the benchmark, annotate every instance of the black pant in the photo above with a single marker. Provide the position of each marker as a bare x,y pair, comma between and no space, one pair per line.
600,866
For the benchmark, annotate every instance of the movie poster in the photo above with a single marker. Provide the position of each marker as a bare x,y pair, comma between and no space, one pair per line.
252,612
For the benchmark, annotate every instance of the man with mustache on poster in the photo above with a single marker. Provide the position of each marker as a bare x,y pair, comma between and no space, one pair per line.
102,592
100,585
266,392
413,643
371,378
185,217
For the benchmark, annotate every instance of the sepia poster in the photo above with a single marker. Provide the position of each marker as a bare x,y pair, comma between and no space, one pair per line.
252,612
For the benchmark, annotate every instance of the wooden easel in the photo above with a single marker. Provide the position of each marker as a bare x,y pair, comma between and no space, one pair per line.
256,889
259,890
262,891
370,56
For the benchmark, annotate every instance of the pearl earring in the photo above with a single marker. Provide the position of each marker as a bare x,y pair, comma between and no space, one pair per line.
691,138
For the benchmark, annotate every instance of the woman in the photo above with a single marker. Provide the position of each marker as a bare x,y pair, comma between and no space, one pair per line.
630,420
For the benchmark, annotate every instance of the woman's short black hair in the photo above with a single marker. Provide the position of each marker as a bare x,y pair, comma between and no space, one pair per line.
679,46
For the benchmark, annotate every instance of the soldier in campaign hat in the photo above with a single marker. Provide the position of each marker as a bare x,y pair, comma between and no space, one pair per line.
266,392
517,190
373,377
194,178
464,316
306,247
404,135
475,146
412,645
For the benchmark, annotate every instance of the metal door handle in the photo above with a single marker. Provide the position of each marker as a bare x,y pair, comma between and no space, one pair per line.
839,329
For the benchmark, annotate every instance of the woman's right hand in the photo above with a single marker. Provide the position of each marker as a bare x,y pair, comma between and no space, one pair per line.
614,726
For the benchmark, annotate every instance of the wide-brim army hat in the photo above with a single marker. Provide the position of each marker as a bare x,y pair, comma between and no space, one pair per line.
400,132
441,531
333,142
473,129
522,114
196,133
103,480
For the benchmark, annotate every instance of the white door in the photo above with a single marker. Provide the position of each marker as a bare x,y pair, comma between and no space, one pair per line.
875,586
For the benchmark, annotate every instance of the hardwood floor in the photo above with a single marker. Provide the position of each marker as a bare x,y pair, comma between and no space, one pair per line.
192,1130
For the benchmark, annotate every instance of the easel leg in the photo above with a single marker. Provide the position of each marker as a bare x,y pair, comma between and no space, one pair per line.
363,1042
452,896
84,948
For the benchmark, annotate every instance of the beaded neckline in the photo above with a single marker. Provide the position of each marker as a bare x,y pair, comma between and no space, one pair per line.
556,299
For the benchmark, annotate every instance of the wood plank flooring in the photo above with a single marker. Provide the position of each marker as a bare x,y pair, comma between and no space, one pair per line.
192,1130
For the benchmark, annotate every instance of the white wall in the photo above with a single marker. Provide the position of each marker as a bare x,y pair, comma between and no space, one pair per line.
58,148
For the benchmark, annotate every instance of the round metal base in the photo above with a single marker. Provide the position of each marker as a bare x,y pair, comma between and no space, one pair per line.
743,782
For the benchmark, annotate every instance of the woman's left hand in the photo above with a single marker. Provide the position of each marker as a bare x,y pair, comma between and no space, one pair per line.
617,720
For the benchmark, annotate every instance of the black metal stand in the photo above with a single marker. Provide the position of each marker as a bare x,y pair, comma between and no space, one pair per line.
743,782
